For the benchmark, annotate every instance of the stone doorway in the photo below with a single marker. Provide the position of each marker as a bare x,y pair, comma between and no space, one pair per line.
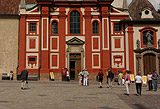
149,63
147,59
75,57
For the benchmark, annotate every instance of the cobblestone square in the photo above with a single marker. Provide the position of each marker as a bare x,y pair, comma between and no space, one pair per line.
69,95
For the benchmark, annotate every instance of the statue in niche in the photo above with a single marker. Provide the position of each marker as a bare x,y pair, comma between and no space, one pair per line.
138,44
159,44
149,39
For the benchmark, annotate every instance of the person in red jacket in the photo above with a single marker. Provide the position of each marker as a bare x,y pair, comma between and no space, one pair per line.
100,78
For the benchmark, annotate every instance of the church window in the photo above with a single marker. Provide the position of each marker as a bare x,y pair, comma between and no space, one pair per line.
33,59
146,12
75,22
95,27
54,27
147,36
116,27
32,27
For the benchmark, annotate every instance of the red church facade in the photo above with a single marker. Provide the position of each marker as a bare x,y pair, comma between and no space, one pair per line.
75,35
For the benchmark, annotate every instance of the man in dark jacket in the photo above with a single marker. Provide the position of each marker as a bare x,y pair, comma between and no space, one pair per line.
24,77
110,77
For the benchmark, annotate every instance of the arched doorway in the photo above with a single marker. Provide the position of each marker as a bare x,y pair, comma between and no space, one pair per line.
149,63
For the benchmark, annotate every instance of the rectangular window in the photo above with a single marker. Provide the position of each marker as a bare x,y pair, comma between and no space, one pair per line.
32,27
32,59
116,27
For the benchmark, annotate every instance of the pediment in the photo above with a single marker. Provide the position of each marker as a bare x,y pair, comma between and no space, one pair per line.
147,49
75,41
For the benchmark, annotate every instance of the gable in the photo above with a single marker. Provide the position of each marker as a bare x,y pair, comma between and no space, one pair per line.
115,11
32,9
75,41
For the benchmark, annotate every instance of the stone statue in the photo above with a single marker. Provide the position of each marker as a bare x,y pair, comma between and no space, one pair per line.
149,39
138,44
159,44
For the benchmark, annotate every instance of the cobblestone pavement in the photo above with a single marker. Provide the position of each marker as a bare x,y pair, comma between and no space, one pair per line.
69,95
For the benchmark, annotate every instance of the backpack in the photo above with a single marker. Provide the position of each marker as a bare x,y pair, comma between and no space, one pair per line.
85,74
112,75
101,75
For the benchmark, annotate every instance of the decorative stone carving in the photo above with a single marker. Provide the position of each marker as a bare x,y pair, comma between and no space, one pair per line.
138,44
138,61
149,39
159,44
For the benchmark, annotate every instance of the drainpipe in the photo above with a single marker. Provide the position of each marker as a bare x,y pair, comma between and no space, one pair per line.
40,54
40,62
18,48
110,36
39,67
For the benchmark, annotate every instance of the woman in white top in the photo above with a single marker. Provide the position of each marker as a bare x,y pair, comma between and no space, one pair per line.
138,79
80,76
149,79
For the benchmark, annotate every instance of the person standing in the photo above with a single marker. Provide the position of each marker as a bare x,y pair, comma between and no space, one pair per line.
68,78
138,80
120,76
110,77
155,77
127,82
100,78
24,77
149,79
11,75
80,76
85,77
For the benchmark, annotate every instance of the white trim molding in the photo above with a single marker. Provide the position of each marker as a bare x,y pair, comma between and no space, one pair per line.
66,26
93,60
83,26
30,11
79,37
96,20
54,50
98,37
121,43
34,66
55,19
27,26
103,34
118,62
127,49
32,20
56,67
42,34
36,43
55,12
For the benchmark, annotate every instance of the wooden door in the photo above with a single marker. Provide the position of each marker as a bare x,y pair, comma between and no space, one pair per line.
75,65
149,62
77,68
72,70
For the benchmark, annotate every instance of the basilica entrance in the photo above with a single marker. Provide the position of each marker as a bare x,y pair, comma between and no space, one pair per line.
75,57
149,62
75,65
